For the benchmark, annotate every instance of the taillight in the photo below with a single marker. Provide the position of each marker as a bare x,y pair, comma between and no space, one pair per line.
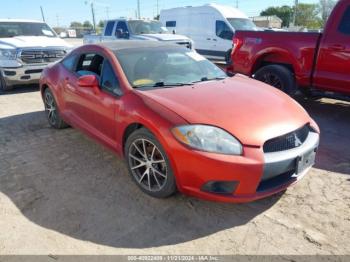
237,43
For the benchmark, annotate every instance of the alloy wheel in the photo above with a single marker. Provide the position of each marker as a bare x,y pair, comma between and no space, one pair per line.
148,165
50,108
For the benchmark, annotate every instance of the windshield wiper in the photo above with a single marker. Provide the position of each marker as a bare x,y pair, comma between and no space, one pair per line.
205,79
164,84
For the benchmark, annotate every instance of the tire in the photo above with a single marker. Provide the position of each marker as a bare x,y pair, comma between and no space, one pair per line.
149,165
52,111
228,58
3,86
279,77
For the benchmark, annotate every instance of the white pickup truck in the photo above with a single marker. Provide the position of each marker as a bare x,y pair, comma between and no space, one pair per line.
120,29
26,48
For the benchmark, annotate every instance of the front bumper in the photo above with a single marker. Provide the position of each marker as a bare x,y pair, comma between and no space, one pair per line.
27,74
256,174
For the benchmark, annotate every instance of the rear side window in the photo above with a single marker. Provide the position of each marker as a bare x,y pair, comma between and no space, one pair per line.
344,26
69,62
109,81
109,28
170,24
223,30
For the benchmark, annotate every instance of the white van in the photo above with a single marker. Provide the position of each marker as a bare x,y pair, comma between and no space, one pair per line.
211,27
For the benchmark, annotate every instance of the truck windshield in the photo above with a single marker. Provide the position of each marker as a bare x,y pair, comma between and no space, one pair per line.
12,29
243,24
139,27
151,67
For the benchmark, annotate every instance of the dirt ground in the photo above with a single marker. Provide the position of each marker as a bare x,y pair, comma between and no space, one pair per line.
61,193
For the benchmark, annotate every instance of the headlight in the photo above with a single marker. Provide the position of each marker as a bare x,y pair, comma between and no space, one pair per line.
7,54
208,138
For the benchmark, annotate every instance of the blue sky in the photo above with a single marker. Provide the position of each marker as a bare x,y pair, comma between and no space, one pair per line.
62,12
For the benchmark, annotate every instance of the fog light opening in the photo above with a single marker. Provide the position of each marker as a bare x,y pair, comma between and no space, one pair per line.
220,187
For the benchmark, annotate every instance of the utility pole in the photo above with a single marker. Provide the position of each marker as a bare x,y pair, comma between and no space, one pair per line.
58,20
295,12
157,7
93,15
42,13
237,4
138,9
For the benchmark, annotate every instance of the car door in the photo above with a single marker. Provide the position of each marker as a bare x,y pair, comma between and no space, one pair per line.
333,62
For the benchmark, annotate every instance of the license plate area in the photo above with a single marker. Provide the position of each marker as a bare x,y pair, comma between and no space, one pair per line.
305,161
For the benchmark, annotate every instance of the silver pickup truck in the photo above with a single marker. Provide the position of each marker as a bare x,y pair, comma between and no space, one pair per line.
120,29
26,48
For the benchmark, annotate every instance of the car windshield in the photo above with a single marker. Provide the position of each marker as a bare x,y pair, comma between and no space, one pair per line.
12,29
243,24
139,27
166,67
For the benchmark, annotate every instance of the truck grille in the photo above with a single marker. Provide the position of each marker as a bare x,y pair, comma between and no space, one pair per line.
41,56
288,141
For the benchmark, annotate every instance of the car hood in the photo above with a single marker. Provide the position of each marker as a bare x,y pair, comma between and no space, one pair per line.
163,37
250,110
32,41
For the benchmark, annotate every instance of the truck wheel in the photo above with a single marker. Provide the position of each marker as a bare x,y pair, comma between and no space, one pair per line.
3,86
277,76
228,57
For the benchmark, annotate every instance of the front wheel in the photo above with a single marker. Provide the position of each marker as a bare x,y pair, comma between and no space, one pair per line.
277,76
3,86
149,165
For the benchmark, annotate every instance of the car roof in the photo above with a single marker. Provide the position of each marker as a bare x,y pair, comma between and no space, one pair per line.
131,44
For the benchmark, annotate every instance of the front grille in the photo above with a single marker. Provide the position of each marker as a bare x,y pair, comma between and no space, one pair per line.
41,56
288,141
186,44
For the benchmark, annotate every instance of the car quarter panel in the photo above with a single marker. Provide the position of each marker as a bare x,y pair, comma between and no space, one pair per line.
260,48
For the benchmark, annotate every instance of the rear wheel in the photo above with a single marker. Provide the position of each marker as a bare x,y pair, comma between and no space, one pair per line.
149,165
277,76
52,112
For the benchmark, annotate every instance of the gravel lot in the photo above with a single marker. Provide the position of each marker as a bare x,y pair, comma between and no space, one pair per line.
61,193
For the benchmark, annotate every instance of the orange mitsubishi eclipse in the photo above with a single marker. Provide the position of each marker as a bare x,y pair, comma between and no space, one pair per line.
180,122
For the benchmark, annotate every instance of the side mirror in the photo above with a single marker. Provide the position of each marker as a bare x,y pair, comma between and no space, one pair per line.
119,33
174,31
126,35
90,81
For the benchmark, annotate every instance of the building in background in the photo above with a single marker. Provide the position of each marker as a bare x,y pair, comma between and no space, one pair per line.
272,21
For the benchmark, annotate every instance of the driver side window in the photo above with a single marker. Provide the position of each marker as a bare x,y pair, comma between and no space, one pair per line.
121,30
223,30
109,81
90,64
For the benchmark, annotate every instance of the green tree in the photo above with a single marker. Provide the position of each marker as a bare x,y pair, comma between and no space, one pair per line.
76,24
101,24
87,25
308,16
284,12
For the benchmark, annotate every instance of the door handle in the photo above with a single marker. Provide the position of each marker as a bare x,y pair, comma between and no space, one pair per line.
214,39
337,47
208,38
